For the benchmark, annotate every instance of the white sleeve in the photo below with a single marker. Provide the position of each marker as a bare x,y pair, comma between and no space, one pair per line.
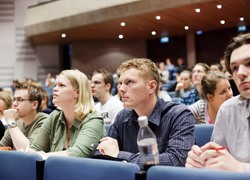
218,131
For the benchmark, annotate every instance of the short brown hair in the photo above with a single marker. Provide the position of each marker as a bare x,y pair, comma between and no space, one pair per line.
34,93
147,68
107,77
235,43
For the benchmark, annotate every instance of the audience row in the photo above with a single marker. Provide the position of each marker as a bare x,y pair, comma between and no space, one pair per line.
77,126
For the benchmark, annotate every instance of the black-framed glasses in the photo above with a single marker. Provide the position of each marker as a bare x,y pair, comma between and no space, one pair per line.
20,100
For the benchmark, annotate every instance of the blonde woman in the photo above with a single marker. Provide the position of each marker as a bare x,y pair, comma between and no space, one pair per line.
71,129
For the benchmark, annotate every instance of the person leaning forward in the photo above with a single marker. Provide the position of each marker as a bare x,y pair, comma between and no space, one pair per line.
24,119
173,124
230,146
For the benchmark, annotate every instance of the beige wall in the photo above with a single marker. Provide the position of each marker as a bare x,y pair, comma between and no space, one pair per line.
90,55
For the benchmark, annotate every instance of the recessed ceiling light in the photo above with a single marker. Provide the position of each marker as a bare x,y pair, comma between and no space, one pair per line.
120,36
241,18
158,17
153,33
222,21
219,6
123,23
198,10
186,28
63,35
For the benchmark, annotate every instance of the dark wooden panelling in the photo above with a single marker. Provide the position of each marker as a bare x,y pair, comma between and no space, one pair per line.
175,48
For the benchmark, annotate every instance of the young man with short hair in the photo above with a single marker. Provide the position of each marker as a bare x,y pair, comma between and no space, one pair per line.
24,119
230,149
172,124
108,106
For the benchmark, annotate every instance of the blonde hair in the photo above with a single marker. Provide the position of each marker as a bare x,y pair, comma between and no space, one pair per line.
7,98
79,81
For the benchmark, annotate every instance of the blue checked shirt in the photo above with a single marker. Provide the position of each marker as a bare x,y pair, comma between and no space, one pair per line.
172,124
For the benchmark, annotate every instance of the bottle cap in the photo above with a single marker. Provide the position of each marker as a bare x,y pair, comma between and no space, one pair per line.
143,121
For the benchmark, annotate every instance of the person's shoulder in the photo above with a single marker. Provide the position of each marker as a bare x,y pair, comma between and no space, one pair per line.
40,118
42,115
126,112
93,115
113,103
199,103
232,101
58,112
125,115
92,118
115,100
172,105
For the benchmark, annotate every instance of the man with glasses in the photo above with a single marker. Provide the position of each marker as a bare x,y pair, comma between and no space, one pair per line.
24,119
101,85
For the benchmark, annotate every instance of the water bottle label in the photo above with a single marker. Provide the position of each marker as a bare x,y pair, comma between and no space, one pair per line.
148,146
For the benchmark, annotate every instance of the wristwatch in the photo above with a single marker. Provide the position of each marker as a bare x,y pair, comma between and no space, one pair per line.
12,124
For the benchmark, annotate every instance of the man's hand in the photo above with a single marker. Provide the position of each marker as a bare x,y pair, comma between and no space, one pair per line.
215,156
193,159
10,115
108,146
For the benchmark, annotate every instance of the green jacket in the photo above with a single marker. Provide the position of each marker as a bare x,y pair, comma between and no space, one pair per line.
83,134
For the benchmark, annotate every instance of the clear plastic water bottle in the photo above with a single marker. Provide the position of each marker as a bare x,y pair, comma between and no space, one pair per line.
147,144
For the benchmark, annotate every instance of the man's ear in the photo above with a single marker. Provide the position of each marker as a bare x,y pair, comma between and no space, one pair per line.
35,104
108,86
152,86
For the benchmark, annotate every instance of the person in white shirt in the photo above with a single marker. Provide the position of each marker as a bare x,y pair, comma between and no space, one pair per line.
231,135
101,85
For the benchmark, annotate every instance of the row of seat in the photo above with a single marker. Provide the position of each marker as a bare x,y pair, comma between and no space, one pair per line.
16,165
19,165
23,166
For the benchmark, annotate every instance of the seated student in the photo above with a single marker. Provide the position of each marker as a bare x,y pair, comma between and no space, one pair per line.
185,83
173,124
215,67
24,120
231,143
199,70
71,129
101,85
215,89
163,94
45,102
